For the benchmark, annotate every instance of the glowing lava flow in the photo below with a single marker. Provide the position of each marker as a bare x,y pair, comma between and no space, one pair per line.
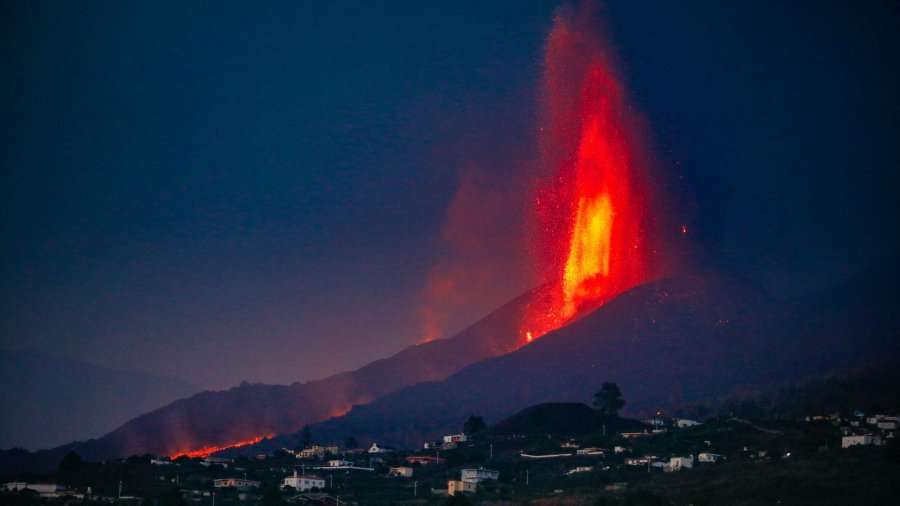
591,210
209,450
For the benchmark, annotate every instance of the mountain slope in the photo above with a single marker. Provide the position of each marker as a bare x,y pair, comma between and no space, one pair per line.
212,419
666,343
72,399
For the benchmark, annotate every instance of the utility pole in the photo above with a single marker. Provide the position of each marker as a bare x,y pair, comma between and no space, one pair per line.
415,487
526,477
120,489
492,451
214,499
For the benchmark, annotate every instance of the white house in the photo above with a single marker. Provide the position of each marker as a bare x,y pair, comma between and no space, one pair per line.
339,463
888,424
580,469
708,457
379,449
683,423
860,440
401,472
476,475
590,451
679,463
456,438
237,483
303,483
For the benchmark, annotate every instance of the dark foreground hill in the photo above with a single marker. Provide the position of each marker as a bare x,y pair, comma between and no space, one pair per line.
667,344
563,418
212,419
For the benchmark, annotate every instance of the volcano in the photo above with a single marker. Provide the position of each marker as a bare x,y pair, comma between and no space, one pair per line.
668,343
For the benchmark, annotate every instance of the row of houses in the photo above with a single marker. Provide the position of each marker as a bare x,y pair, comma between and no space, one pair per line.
861,430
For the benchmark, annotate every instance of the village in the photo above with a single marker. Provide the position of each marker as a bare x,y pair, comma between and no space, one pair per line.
479,465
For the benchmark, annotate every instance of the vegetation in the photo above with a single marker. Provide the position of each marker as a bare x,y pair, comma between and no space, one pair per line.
608,401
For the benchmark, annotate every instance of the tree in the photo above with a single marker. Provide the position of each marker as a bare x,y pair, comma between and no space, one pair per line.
608,401
351,443
474,425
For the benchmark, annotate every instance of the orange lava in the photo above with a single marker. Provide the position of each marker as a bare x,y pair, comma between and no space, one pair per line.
591,209
209,450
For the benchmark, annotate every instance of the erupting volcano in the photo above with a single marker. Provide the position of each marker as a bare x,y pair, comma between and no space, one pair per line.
591,207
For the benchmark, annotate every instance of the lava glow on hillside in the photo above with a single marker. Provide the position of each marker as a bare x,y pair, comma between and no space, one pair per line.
209,450
590,208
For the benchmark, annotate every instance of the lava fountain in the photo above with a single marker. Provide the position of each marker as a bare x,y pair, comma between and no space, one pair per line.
591,206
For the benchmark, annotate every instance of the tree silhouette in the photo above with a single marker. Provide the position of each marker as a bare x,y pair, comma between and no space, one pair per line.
608,401
474,425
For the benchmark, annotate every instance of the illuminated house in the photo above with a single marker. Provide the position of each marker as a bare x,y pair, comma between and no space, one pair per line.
303,483
379,449
860,440
401,472
456,438
476,475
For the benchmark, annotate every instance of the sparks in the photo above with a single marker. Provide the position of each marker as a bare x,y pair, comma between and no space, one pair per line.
591,208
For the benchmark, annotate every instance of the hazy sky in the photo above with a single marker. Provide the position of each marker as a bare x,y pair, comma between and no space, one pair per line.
260,190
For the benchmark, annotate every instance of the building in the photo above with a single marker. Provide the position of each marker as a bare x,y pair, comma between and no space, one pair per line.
679,463
302,483
580,469
317,451
476,475
379,449
41,488
458,487
401,472
860,440
591,451
456,438
238,483
683,423
708,457
339,463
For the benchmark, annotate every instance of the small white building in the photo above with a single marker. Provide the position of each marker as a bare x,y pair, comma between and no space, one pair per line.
476,475
860,440
458,487
456,438
238,483
161,462
683,423
708,457
302,483
379,449
580,469
401,472
888,424
590,451
679,463
339,463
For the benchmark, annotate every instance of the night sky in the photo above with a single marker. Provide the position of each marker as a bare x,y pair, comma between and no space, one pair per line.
271,191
